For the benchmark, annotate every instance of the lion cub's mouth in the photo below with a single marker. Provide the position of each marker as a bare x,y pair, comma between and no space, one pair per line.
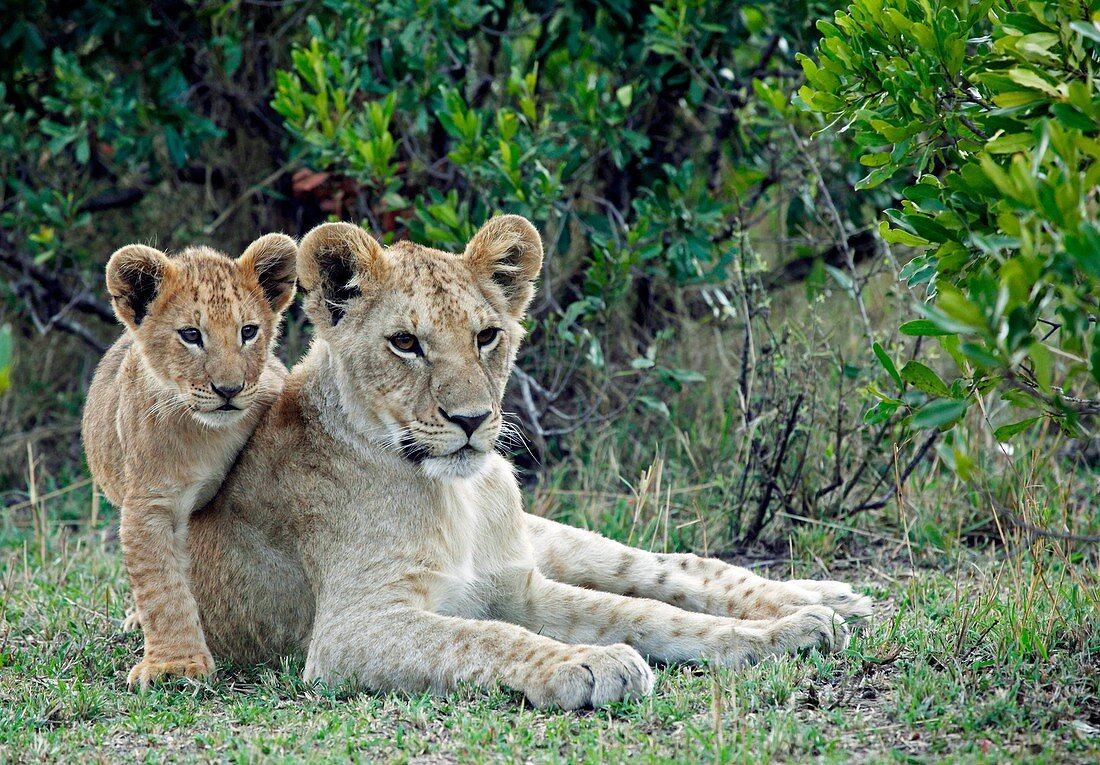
227,407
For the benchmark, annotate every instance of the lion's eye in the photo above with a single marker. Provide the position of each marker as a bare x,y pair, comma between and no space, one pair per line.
406,343
248,331
191,336
487,336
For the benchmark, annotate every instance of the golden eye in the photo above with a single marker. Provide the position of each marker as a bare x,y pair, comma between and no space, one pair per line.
405,343
487,336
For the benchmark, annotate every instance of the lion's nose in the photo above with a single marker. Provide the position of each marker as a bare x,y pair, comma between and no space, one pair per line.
468,422
227,391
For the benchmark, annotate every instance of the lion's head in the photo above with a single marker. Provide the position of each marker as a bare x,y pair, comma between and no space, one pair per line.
424,340
205,324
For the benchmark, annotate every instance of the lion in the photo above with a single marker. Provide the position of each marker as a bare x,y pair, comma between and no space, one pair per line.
170,406
370,526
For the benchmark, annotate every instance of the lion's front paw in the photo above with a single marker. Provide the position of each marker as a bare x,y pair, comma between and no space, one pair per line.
194,667
854,607
132,621
594,676
810,627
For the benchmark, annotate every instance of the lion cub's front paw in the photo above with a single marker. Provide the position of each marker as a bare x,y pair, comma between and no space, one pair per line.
194,667
132,621
592,677
855,608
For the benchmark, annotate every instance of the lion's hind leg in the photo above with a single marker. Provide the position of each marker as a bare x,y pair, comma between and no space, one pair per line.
690,582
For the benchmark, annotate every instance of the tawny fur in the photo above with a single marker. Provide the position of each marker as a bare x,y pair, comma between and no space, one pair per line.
364,528
156,441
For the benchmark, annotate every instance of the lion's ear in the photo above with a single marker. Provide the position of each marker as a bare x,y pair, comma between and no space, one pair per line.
507,254
273,259
337,262
134,277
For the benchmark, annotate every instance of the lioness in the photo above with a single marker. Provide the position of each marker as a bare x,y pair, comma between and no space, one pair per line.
370,524
170,406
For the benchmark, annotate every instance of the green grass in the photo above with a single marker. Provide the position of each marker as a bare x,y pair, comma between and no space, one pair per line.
978,655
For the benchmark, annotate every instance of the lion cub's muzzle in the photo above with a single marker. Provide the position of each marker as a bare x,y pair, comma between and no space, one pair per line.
222,402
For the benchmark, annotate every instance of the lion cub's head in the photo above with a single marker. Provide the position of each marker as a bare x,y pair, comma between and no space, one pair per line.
205,324
424,339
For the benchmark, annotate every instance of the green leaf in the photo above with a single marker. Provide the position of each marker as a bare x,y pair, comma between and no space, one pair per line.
898,236
980,356
815,279
887,364
880,412
1006,432
1085,29
938,413
840,277
923,328
874,160
924,379
1029,78
1042,360
655,404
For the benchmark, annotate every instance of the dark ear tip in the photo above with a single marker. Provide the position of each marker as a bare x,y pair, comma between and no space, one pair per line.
131,259
331,242
270,250
273,259
508,238
134,273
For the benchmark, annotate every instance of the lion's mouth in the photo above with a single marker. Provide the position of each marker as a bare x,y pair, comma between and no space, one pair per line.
227,407
416,452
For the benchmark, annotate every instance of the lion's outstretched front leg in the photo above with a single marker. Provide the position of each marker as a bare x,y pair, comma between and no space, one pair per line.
706,585
155,549
415,650
663,632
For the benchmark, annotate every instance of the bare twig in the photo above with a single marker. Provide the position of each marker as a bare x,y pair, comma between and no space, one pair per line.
884,499
1038,531
757,523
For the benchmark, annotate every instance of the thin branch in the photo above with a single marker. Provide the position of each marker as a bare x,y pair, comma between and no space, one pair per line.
883,500
1037,531
757,523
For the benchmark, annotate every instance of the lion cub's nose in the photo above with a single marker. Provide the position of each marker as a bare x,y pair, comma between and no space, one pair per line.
468,423
227,391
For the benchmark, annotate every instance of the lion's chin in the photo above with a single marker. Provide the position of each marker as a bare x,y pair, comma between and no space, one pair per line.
465,463
219,418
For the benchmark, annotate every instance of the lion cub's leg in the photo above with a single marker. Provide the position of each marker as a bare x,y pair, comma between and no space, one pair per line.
583,558
154,543
414,650
666,633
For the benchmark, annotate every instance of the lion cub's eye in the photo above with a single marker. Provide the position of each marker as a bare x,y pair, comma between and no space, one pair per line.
191,336
406,343
487,336
248,331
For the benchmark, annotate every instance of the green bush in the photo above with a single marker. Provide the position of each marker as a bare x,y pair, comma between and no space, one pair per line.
79,115
632,135
990,113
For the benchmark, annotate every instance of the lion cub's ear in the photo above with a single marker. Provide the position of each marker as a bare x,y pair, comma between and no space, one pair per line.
507,254
273,260
337,262
134,277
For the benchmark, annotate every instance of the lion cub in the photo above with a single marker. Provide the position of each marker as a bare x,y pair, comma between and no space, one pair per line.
170,406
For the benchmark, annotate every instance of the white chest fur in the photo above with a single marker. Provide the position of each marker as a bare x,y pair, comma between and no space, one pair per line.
480,540
461,586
